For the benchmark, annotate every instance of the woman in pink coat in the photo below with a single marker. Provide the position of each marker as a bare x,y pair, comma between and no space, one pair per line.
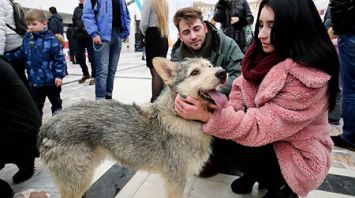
276,116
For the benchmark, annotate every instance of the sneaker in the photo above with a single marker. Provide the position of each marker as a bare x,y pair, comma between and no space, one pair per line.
243,185
340,142
92,81
84,78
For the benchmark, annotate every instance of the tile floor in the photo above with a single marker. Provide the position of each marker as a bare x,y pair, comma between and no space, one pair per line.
132,84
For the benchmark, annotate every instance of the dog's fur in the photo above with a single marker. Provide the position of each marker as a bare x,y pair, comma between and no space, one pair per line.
151,137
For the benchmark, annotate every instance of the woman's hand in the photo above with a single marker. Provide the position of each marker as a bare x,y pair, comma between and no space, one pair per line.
190,108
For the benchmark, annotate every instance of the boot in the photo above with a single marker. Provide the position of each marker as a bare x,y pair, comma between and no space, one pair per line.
84,78
210,169
26,170
243,185
6,190
284,192
92,81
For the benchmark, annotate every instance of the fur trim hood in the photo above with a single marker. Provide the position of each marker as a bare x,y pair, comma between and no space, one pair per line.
289,110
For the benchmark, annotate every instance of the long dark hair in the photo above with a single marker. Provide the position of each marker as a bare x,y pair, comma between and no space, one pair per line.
298,33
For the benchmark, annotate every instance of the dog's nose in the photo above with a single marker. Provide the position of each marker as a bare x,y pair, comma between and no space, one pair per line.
221,75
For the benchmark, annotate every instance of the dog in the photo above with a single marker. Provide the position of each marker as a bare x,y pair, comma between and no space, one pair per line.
150,137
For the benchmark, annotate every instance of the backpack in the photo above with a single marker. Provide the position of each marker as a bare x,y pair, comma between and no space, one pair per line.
19,17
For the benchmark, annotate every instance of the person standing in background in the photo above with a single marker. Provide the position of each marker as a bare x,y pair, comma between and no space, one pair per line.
83,41
55,22
10,40
334,116
342,14
154,26
45,61
108,23
234,15
71,43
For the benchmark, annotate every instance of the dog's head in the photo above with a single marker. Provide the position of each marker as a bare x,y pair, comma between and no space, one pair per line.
195,77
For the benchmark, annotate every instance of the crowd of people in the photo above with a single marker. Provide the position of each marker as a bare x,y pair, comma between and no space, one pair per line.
282,91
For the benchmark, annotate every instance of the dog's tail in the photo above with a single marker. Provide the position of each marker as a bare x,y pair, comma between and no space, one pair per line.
71,164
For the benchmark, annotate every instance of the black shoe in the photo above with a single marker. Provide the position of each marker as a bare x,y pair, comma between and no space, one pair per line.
210,169
26,170
108,97
285,192
243,185
84,78
6,190
340,142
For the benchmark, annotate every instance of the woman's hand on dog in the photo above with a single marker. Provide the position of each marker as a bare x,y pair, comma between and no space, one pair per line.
190,108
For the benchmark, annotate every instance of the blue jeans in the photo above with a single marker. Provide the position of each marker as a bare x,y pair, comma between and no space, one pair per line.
106,59
346,44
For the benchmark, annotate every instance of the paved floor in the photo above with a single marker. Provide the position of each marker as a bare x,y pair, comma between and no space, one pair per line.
132,84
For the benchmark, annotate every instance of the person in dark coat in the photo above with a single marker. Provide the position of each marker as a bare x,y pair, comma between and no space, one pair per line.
83,41
20,125
55,22
342,13
234,15
71,43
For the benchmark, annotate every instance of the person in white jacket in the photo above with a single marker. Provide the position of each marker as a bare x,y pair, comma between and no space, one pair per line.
9,39
154,26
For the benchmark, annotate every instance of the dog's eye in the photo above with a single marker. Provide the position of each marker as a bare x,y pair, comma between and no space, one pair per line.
195,72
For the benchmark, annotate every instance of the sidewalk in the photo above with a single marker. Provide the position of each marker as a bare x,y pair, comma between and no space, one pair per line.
132,84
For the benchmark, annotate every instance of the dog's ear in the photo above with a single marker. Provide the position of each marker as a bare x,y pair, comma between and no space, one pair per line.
166,69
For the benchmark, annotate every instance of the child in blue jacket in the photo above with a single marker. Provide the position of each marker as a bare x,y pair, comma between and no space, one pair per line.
45,60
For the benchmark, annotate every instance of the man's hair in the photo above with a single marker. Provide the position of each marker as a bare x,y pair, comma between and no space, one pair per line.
188,14
35,15
53,10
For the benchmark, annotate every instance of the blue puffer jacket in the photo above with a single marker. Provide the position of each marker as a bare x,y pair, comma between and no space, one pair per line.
44,57
98,20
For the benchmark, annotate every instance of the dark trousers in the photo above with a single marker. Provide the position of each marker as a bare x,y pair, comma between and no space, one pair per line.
81,45
258,162
39,95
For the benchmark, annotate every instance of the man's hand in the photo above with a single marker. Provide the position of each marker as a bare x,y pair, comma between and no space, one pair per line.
97,40
190,108
234,20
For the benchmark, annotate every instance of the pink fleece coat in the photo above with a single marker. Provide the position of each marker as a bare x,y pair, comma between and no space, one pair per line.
289,110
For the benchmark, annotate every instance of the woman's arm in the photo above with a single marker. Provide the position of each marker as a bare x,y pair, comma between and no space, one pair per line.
288,112
146,9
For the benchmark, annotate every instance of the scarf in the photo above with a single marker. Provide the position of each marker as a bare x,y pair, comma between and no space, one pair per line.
257,64
205,50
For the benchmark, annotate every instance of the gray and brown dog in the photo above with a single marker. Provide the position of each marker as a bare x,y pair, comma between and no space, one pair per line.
151,137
